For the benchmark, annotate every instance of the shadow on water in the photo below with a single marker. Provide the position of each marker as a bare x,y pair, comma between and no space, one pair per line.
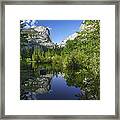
47,82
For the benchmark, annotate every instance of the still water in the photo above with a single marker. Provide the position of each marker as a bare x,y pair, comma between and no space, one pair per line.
43,82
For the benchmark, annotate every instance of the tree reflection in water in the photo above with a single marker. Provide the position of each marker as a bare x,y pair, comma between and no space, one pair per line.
88,83
51,82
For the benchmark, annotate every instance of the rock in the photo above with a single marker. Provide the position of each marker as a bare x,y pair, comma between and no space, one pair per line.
70,37
38,36
43,71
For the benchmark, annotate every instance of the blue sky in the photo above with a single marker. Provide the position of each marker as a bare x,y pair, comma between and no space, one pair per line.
60,29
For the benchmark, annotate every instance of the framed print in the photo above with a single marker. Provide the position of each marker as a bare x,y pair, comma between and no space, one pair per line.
60,59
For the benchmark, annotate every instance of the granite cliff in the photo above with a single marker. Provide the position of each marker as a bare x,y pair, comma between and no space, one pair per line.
38,36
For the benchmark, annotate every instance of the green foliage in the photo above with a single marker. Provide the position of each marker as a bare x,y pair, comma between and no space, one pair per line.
85,51
79,59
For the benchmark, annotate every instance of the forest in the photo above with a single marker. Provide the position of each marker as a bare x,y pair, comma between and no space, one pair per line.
79,59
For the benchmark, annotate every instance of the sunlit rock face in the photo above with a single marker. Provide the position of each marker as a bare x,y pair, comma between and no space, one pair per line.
70,37
39,36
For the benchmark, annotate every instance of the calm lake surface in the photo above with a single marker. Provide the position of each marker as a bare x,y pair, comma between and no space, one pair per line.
45,82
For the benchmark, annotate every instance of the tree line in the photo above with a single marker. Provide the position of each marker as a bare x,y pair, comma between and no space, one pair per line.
80,56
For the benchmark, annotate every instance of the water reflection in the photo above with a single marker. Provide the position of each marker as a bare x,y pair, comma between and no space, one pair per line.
47,82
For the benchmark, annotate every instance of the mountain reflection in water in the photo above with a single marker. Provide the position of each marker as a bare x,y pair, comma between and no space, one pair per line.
45,82
57,90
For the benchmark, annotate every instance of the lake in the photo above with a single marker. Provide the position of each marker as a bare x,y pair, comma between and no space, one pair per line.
49,82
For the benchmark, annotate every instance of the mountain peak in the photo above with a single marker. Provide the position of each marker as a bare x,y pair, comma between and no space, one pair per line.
70,37
39,35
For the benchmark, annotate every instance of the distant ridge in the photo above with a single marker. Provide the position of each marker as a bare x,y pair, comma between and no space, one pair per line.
70,37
